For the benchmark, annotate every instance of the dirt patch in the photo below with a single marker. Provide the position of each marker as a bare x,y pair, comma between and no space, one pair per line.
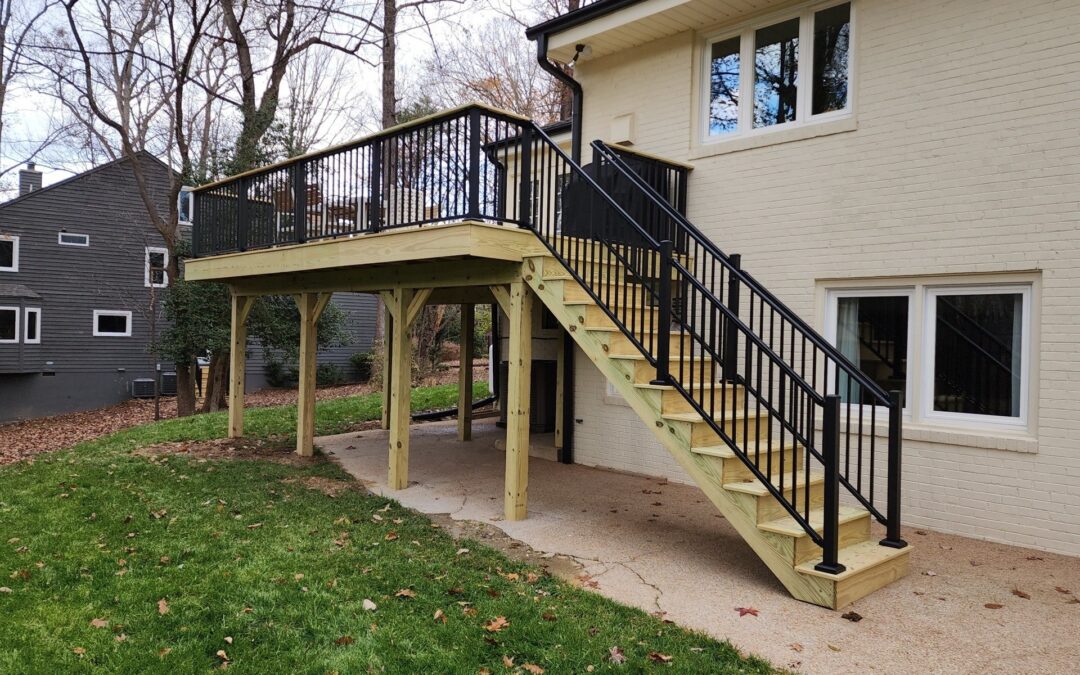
559,566
331,487
233,448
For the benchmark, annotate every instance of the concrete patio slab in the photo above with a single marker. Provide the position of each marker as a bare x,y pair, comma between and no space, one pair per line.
664,548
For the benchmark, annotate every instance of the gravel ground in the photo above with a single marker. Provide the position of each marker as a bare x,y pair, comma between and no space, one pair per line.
20,440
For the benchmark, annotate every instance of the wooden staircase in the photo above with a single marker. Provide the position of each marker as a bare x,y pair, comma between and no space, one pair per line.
726,478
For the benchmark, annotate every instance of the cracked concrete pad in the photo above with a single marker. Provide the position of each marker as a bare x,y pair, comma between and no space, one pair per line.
663,547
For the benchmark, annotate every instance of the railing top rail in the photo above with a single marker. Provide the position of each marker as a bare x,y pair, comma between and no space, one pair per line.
816,339
666,161
440,116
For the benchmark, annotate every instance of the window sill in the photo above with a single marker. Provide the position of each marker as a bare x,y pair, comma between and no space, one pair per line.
774,137
1009,440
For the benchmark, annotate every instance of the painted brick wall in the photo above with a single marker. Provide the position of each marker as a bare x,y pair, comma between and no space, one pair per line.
966,159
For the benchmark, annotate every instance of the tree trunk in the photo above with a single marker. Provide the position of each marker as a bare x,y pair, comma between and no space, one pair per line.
214,395
185,391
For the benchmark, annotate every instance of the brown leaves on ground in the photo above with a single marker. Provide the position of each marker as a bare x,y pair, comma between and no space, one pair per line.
616,656
852,616
99,623
533,668
344,640
496,624
993,605
1020,594
405,593
440,616
743,611
162,606
657,657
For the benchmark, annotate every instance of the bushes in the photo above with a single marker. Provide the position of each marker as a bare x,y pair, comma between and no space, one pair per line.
284,376
362,362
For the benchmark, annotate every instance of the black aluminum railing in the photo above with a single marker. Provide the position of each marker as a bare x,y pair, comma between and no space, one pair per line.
802,396
618,227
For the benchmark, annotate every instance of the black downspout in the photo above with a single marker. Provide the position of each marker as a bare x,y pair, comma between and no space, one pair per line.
567,454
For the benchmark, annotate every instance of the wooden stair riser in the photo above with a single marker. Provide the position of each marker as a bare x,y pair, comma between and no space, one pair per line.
755,427
859,586
627,293
644,372
636,318
619,344
800,549
596,273
719,395
764,507
736,470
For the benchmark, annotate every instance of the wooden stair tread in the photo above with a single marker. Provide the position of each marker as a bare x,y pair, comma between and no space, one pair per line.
756,487
788,526
695,418
857,558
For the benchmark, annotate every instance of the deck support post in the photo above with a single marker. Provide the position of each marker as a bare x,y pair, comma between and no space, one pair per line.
518,403
241,307
311,306
560,392
387,363
465,375
398,302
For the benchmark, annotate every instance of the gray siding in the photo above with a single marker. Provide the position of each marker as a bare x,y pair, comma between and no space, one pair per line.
359,310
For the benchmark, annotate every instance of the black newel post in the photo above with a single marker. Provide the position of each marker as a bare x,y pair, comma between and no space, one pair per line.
525,210
299,190
242,215
892,535
830,452
474,164
731,333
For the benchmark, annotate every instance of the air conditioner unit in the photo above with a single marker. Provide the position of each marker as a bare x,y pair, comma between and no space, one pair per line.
142,387
168,384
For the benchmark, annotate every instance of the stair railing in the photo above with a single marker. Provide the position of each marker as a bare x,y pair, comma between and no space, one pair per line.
787,371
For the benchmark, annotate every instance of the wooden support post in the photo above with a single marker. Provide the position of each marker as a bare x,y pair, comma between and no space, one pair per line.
387,359
517,404
400,389
241,307
465,375
311,307
560,386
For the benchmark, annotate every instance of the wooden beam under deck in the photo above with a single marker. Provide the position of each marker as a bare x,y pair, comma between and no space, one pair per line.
519,370
241,308
465,374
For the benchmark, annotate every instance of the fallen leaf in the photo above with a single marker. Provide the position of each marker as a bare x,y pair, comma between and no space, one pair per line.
496,624
795,646
659,658
854,617
228,640
79,651
99,623
993,605
616,655
921,532
121,638
440,617
222,655
548,616
1034,557
743,611
164,651
344,640
368,605
930,573
5,589
391,535
533,668
462,551
532,577
406,593
508,661
1020,594
834,648
162,606
1059,589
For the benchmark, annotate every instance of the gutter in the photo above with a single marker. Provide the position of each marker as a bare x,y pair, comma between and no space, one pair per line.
575,89
576,17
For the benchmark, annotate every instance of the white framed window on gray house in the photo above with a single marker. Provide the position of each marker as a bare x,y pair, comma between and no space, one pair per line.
155,273
32,326
185,204
9,325
960,353
9,253
72,239
789,71
112,323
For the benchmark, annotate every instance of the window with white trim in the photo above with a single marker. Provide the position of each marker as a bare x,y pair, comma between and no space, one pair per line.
787,72
72,239
9,253
112,323
157,260
185,204
9,325
32,326
972,343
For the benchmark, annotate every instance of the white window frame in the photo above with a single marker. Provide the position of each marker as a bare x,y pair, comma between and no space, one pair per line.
17,311
929,355
110,312
832,316
36,311
146,266
60,239
804,96
922,319
14,254
185,194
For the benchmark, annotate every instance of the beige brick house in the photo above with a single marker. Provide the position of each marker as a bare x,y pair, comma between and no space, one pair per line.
945,173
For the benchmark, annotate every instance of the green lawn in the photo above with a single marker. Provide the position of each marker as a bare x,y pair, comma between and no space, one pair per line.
133,563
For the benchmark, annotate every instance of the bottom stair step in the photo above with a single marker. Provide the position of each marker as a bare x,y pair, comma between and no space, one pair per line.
868,567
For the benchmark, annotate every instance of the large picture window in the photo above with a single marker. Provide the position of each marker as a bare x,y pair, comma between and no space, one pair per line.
972,345
9,325
798,70
110,323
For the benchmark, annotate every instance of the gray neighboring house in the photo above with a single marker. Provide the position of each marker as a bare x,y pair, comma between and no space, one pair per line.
79,266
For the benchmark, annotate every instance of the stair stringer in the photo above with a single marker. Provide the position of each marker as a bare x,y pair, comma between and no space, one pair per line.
675,437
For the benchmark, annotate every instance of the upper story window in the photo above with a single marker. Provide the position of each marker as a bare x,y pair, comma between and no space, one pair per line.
9,253
157,260
795,71
185,205
72,239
